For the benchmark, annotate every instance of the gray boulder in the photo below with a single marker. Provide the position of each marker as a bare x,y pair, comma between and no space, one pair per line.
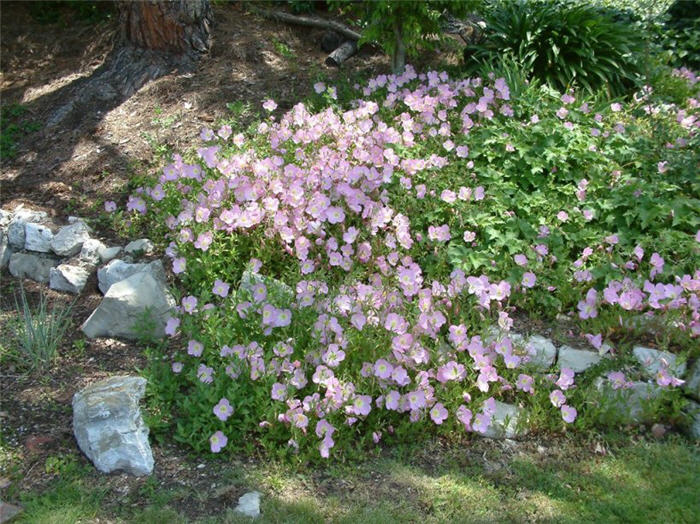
127,304
505,422
66,277
692,381
542,352
5,250
140,246
109,253
32,266
117,270
15,229
108,426
90,252
69,239
628,405
653,360
249,504
578,360
5,218
37,237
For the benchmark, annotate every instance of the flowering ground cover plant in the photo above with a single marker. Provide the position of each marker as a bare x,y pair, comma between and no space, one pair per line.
342,268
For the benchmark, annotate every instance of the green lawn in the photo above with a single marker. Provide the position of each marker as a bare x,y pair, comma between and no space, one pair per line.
644,481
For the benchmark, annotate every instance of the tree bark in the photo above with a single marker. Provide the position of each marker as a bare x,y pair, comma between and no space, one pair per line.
155,38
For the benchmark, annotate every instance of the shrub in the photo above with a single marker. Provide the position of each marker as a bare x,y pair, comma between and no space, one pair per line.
563,44
681,34
383,242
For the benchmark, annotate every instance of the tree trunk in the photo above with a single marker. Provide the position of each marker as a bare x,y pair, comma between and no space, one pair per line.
398,57
155,38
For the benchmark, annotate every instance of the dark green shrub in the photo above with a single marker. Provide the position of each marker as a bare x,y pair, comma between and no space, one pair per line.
564,43
682,32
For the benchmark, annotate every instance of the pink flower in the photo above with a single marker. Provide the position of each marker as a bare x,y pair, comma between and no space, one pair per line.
469,236
362,405
524,383
223,409
189,304
177,367
110,206
221,288
568,413
557,398
171,326
269,105
179,265
218,441
382,369
438,413
520,259
566,379
529,280
195,348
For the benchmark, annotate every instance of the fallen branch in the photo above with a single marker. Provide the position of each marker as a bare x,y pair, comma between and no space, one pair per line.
280,16
342,53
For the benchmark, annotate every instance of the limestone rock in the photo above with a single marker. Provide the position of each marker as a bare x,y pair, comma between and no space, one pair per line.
69,239
65,277
90,252
542,352
109,253
692,381
34,267
37,237
5,218
117,270
578,360
249,504
5,250
628,405
504,422
653,360
15,229
140,246
8,512
127,304
108,426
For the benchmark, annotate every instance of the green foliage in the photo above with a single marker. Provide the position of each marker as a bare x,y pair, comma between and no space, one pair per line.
401,27
40,332
681,33
563,43
58,11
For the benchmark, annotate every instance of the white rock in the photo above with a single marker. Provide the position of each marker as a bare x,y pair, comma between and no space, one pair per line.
653,360
5,250
249,504
108,426
109,253
65,277
90,252
140,246
125,306
37,237
542,352
628,405
69,239
692,381
15,230
117,270
5,217
505,422
578,360
32,266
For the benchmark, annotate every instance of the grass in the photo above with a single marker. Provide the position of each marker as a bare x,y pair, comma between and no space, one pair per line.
39,331
644,481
